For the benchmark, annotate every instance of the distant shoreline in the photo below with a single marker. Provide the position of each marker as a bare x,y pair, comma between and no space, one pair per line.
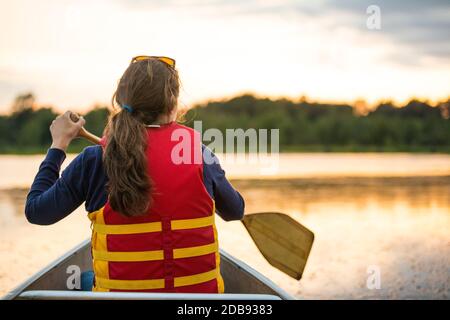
285,149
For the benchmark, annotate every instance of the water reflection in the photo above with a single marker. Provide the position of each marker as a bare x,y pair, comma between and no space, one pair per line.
398,224
11,207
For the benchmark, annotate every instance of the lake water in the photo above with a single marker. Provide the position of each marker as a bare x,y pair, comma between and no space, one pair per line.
390,212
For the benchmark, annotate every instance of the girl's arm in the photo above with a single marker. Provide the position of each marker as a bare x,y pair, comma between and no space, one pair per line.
229,203
51,198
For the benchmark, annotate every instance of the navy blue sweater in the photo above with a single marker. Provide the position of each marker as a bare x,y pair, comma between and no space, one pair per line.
52,197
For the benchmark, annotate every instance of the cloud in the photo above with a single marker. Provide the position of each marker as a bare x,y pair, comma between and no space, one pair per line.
422,27
417,29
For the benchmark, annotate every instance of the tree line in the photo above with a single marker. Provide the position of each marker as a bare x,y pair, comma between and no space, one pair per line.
303,125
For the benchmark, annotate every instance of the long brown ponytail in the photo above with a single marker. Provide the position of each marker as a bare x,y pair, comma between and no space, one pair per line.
148,89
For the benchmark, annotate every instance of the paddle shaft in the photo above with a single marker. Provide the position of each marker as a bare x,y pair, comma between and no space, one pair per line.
83,133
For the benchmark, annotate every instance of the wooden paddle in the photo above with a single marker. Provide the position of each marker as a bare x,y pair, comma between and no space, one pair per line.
283,241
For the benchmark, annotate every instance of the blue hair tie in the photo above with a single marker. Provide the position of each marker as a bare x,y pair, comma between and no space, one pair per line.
128,108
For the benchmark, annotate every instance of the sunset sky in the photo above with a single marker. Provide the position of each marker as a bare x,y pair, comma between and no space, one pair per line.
70,53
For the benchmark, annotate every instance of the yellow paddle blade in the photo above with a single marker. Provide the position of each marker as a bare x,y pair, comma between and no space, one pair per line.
283,241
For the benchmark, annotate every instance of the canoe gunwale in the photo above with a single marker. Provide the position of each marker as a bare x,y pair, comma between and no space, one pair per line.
85,295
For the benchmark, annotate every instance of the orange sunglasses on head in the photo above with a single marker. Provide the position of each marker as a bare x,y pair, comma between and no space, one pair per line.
169,61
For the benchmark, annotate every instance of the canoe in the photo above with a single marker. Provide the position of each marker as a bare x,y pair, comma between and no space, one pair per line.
241,282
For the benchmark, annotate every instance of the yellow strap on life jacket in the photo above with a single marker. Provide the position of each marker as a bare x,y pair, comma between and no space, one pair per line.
151,226
192,223
132,256
195,251
155,283
194,279
127,228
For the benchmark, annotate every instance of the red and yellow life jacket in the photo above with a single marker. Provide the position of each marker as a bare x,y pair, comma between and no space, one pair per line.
174,247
